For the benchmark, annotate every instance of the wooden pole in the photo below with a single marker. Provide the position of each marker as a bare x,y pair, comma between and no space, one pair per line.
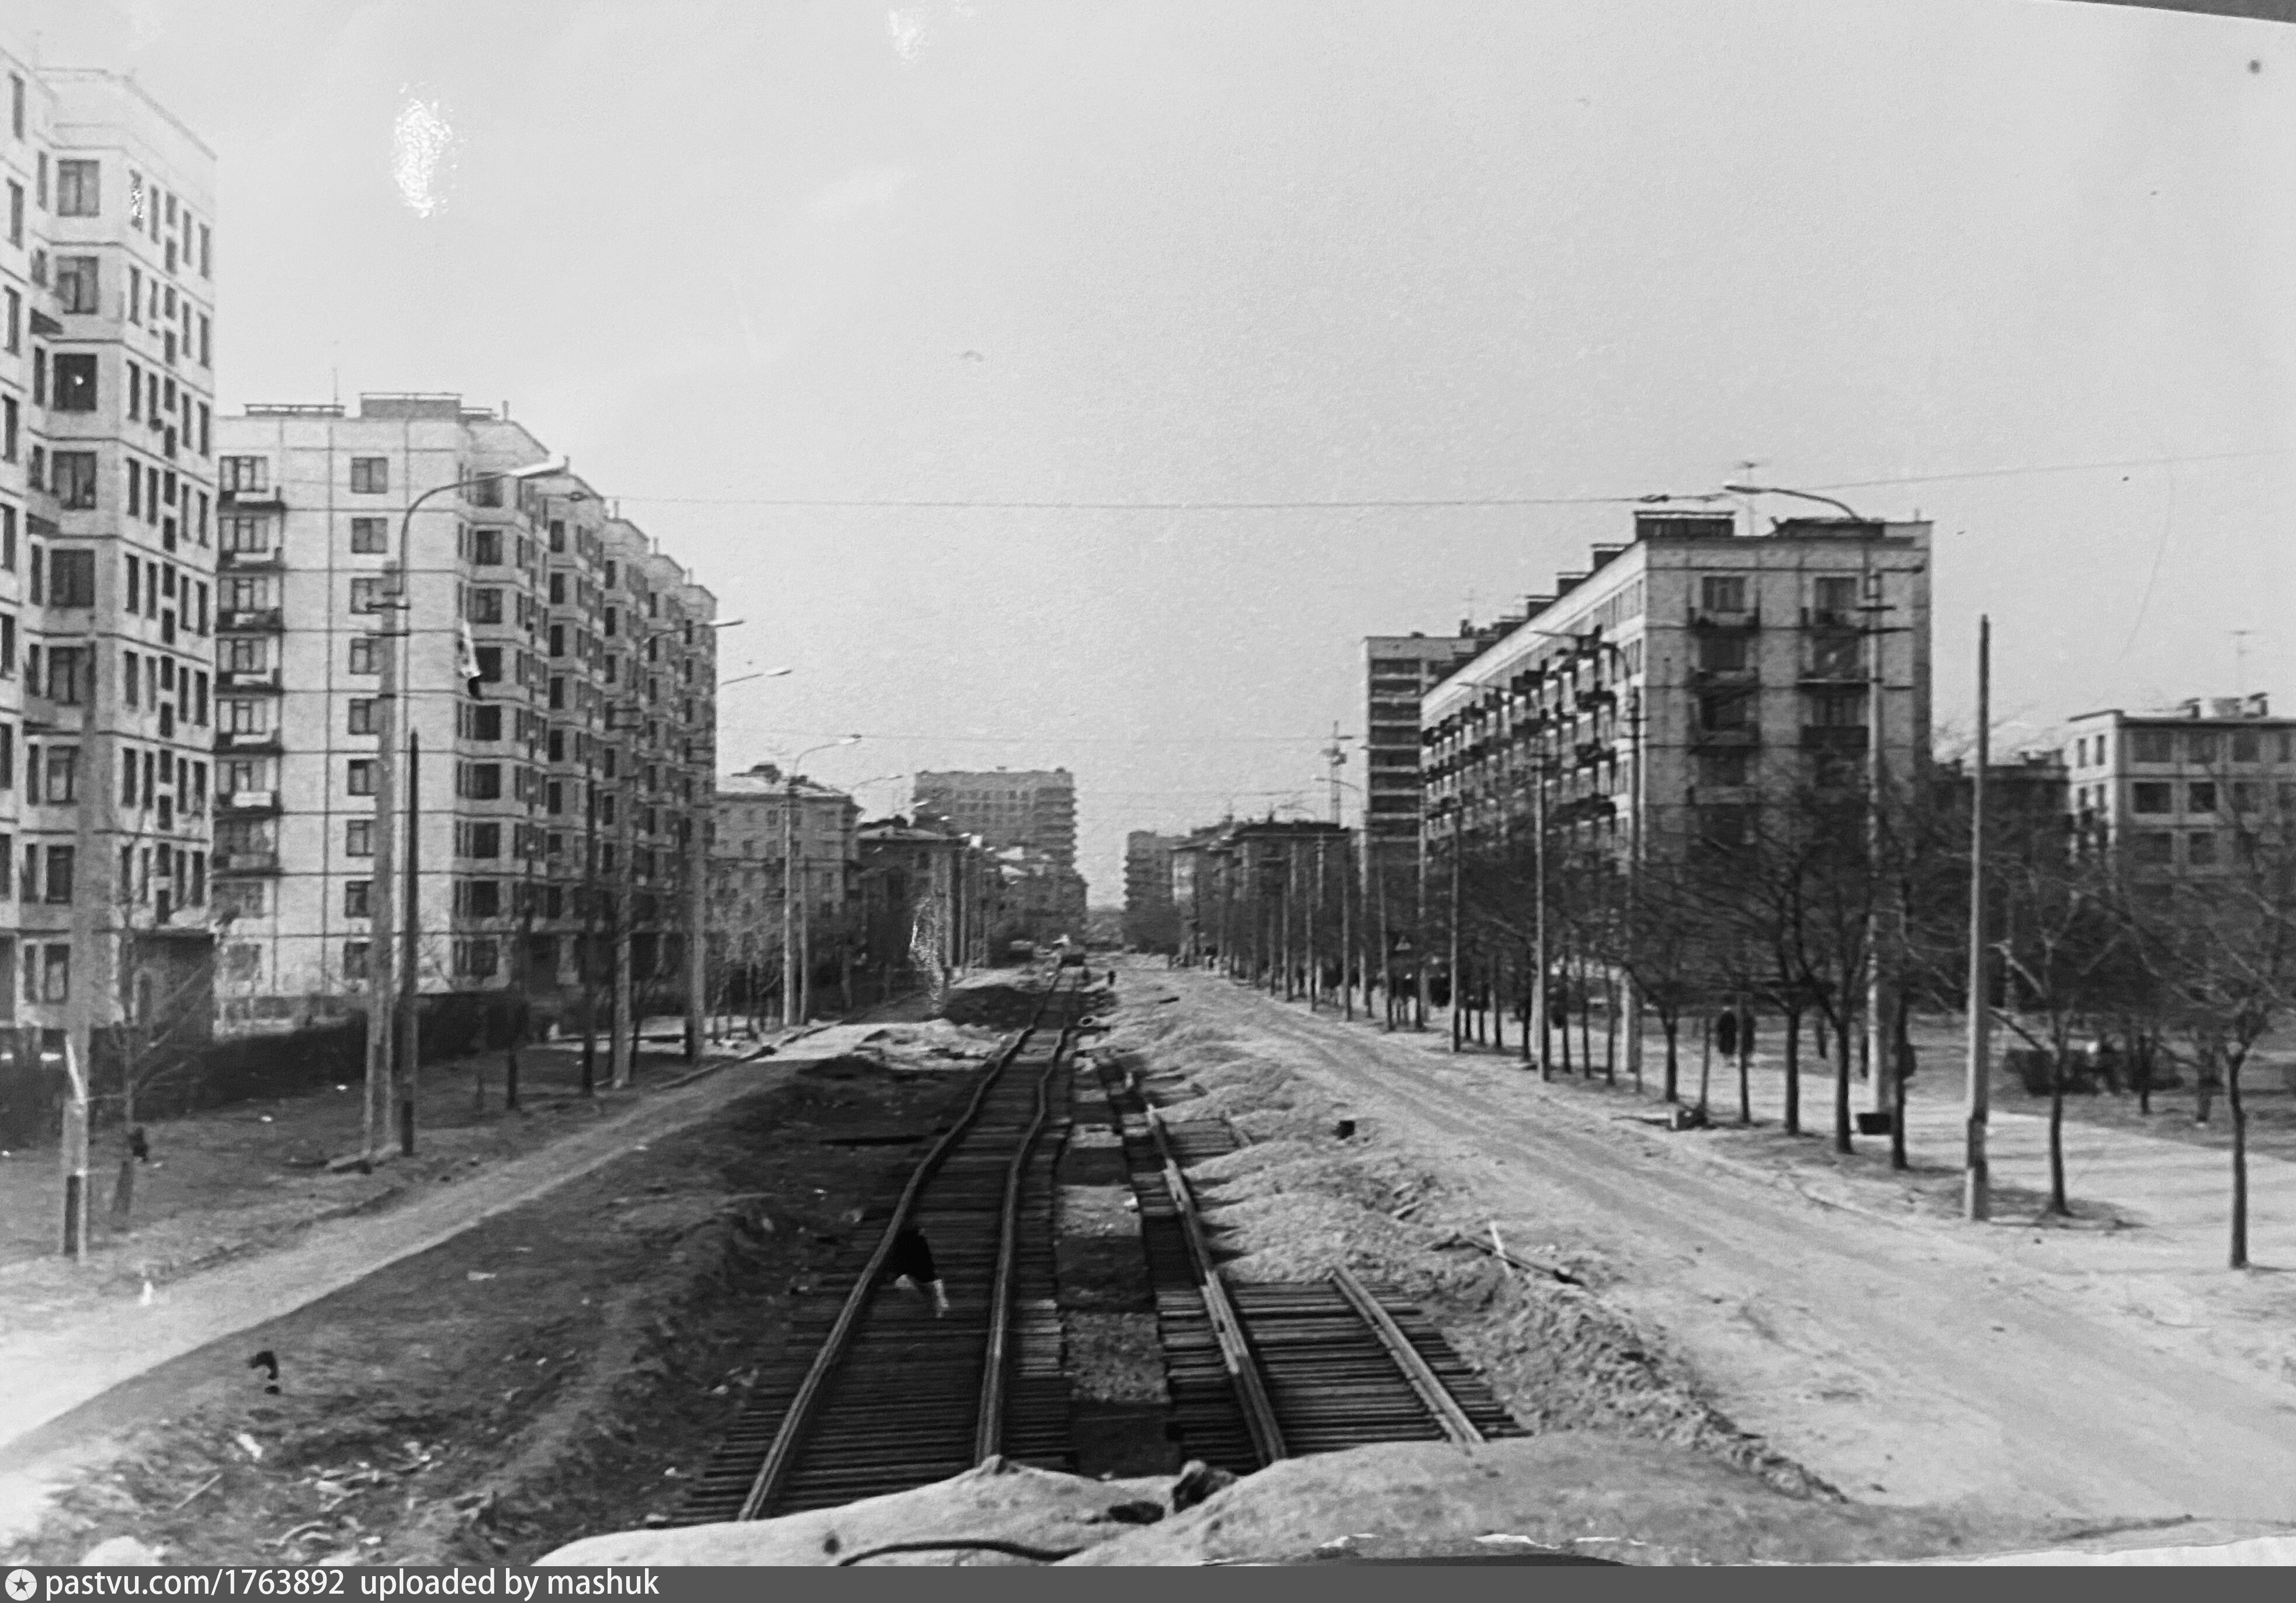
1976,1197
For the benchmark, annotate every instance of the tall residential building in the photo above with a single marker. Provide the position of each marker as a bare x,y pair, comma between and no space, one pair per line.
1033,809
1687,675
1150,920
107,342
749,857
2181,794
559,804
1028,819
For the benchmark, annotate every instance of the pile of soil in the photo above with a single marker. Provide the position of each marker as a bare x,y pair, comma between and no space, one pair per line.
562,1368
1636,1502
993,1004
1302,1201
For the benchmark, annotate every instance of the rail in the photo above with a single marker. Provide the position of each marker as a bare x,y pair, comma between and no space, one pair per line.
797,1421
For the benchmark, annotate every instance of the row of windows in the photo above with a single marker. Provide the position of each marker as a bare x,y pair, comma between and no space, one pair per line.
2244,797
2202,746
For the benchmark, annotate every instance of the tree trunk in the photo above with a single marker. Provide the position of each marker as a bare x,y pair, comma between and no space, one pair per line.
2057,1203
1586,1024
1705,1057
1671,1022
1900,1045
1745,1070
1842,1060
1794,1072
1610,1028
2238,1257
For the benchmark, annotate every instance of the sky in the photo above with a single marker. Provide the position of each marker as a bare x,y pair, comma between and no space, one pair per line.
2021,267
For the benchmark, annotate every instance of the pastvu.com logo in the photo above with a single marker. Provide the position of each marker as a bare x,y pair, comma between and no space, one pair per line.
22,1584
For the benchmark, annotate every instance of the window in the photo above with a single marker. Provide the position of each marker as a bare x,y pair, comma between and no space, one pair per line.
240,899
368,594
355,953
482,723
362,655
475,960
245,536
15,213
2151,745
60,876
1835,598
246,593
483,840
486,547
1716,594
55,972
2200,799
2244,746
242,475
76,284
371,535
2201,745
77,192
74,484
370,475
1722,768
2200,848
243,716
14,332
16,106
1837,709
479,781
1725,712
358,775
479,898
2151,797
358,837
354,893
362,716
2247,797
1722,653
485,607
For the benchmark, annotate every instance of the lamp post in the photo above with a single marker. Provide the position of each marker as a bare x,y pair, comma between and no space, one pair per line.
793,890
392,1047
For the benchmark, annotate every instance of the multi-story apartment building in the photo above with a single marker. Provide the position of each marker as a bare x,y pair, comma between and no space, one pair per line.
2184,794
1398,670
107,346
558,707
927,901
1663,694
759,816
1034,811
1150,920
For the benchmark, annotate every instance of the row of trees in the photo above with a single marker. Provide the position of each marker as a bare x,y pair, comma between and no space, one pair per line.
1837,914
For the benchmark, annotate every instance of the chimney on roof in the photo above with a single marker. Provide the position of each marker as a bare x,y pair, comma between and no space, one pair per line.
2191,708
2225,706
2258,705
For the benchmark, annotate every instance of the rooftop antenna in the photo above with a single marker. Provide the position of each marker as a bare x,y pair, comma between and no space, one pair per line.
1335,756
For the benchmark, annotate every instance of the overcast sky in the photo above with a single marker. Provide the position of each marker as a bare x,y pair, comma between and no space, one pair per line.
982,250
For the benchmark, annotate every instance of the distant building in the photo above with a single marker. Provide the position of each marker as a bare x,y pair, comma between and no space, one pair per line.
1150,920
1030,813
1398,670
1268,899
928,899
2181,794
749,878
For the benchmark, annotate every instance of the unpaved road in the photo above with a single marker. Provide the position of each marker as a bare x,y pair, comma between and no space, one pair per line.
1904,1361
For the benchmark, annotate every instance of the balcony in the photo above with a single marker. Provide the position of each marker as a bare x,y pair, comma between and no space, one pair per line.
1834,676
248,679
243,802
1739,622
262,620
1831,737
1748,675
271,559
41,712
266,740
251,861
1590,753
262,498
1831,617
1721,739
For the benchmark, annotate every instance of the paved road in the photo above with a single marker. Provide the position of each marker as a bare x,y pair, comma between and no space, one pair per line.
1898,1359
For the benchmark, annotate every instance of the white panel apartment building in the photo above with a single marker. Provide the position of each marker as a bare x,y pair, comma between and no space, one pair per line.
2183,794
1685,676
577,776
107,261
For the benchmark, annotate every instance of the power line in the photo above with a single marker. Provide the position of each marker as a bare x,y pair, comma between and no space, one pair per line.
1052,739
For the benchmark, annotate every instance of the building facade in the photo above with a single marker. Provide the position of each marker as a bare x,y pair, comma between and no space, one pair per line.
758,817
2181,795
106,544
928,900
1030,814
1399,670
559,679
1151,918
1656,700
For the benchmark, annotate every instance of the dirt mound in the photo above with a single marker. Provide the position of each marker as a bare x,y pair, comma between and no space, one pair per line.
997,1005
1640,1503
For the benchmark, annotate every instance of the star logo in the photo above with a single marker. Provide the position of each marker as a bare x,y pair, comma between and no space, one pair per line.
22,1584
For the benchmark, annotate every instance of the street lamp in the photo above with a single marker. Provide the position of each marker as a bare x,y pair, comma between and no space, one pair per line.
793,975
392,1036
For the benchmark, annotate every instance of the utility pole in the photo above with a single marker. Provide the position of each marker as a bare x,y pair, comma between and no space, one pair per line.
408,1033
789,903
393,640
1977,1193
85,1001
1458,851
1335,757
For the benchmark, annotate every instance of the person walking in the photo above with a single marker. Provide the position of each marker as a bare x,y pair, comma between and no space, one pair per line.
912,1265
1725,1035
